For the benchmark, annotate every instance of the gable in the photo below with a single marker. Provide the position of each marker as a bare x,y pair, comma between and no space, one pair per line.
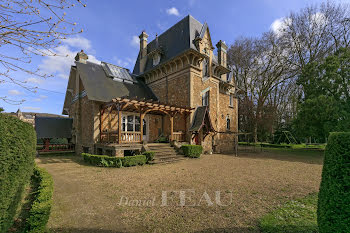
174,41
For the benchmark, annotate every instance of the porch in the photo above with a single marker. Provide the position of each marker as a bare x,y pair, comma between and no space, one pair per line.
127,121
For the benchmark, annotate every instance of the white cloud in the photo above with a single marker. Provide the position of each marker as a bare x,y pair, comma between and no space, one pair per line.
135,41
31,108
14,92
41,97
173,11
279,25
34,80
78,42
59,65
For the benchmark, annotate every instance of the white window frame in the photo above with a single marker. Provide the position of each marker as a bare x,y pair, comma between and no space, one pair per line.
205,66
231,100
204,93
125,122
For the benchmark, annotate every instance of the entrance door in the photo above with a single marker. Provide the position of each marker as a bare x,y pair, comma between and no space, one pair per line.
145,129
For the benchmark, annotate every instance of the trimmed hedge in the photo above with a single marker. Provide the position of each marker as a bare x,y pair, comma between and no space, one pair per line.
334,197
133,160
17,153
192,151
41,207
149,155
107,161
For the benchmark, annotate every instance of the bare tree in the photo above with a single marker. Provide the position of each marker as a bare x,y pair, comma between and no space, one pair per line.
266,69
30,28
315,32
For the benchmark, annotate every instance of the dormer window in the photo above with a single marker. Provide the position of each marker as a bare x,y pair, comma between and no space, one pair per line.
156,59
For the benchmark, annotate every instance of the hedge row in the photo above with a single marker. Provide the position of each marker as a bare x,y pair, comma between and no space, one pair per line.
192,151
41,207
17,152
333,213
107,161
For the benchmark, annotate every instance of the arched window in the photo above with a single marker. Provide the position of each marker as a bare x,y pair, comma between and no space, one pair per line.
228,123
205,69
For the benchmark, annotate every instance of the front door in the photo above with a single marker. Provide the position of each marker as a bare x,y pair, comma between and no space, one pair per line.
145,129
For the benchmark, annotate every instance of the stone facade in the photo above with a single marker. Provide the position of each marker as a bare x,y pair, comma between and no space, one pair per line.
184,80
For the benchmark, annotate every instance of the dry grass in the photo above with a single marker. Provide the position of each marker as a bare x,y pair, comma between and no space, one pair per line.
86,198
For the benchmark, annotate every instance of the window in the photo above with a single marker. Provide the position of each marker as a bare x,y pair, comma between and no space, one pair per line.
131,123
231,100
205,69
205,99
228,123
156,59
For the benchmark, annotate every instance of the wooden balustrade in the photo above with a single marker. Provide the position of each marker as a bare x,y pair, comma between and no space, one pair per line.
131,137
179,136
109,137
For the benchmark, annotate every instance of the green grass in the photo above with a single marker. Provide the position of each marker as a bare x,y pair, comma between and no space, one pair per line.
294,217
286,146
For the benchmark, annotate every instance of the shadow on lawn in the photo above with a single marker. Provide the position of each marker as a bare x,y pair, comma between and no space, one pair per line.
309,157
61,159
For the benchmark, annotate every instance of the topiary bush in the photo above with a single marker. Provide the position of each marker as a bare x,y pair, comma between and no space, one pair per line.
133,160
149,155
334,197
192,151
17,153
41,207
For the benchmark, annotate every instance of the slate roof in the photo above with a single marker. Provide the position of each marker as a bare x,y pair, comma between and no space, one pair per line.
103,83
100,87
201,117
53,127
174,41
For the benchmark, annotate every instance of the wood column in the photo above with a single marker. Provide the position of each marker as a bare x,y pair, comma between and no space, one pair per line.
171,127
141,125
119,124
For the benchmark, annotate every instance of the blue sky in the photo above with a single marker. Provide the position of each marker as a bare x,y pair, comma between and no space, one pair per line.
110,34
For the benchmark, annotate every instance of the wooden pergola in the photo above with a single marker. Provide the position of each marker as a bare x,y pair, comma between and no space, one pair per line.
142,107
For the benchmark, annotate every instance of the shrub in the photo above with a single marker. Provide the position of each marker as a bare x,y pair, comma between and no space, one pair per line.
107,161
40,210
133,160
149,155
334,197
192,151
17,152
101,160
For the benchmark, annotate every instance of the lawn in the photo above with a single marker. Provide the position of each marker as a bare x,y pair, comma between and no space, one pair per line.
93,199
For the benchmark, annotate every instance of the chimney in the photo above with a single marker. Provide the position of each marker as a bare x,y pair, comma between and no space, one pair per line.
222,53
143,51
81,57
143,44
